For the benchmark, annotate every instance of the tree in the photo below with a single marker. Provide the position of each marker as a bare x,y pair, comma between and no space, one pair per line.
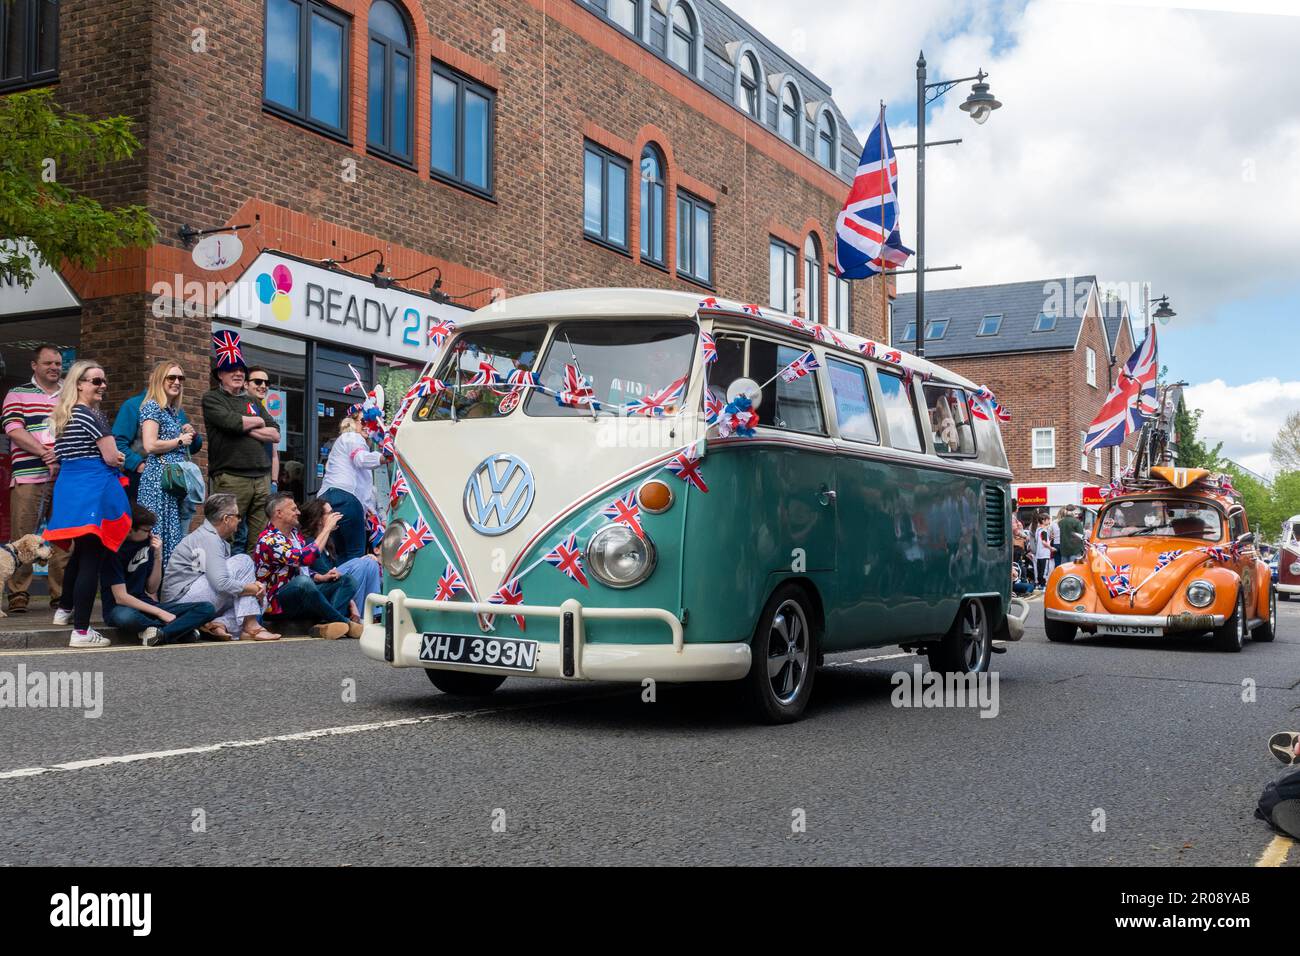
42,145
1286,446
1257,499
1193,453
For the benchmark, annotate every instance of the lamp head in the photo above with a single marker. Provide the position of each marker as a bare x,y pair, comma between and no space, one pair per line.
981,103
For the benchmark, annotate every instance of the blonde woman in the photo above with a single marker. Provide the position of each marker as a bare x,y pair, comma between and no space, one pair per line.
349,484
90,508
166,437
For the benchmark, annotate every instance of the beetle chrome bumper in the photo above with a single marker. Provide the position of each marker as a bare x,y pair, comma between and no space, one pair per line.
1167,622
571,657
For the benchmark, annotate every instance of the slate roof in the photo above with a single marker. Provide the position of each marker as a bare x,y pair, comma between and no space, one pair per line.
1116,314
1019,304
722,26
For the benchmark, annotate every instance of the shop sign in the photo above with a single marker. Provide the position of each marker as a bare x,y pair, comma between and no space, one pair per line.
1092,495
280,293
218,251
1031,496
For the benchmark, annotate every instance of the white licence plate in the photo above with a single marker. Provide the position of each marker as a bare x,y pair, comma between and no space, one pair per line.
1129,630
506,653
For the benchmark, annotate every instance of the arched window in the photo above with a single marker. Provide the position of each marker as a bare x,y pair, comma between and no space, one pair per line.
789,118
749,96
826,140
681,42
812,279
391,82
652,205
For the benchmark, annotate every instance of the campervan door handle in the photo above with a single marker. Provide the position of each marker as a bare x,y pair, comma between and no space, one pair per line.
826,495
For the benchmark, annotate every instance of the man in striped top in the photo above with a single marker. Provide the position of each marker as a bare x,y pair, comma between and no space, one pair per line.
26,421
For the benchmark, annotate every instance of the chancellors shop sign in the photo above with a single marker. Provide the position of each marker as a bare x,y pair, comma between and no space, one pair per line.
284,294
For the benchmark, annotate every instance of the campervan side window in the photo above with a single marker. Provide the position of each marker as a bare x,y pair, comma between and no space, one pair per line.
795,406
853,412
899,407
950,421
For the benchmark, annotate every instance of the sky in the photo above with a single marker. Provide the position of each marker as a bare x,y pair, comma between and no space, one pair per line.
1145,142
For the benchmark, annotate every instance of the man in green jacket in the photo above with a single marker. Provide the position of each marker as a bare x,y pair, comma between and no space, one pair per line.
1071,535
239,429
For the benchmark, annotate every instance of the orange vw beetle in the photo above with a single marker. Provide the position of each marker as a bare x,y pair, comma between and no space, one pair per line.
1170,553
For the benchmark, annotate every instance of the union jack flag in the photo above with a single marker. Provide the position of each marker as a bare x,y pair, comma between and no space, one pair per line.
712,409
1118,584
576,391
977,409
803,365
750,309
709,348
1131,400
868,349
387,446
1167,557
1222,555
709,303
686,466
376,529
893,355
486,375
824,333
568,558
510,594
625,510
522,378
417,536
867,240
798,324
657,403
425,385
439,332
229,354
449,585
398,490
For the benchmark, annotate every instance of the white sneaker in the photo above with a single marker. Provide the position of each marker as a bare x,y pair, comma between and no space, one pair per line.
151,636
88,638
62,618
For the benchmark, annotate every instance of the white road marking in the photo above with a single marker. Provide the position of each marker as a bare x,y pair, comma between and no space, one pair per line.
882,657
286,738
44,651
1275,853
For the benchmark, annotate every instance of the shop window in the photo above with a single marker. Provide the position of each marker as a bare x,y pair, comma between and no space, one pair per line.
305,73
391,89
605,196
462,131
694,239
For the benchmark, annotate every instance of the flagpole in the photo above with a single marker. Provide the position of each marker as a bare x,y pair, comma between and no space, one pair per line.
884,273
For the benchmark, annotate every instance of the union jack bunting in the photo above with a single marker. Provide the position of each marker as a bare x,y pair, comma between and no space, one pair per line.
449,585
977,409
799,324
486,375
229,354
522,378
425,385
709,303
868,349
376,529
1222,555
1131,400
625,510
712,410
867,240
576,392
686,466
417,536
893,355
803,365
1167,557
567,557
824,333
398,490
1118,584
750,309
660,402
708,348
439,331
509,595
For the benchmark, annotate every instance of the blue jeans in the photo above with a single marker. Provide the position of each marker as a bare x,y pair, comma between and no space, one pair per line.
304,599
188,618
365,572
350,537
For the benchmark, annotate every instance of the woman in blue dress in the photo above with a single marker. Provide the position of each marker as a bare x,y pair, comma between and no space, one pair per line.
166,437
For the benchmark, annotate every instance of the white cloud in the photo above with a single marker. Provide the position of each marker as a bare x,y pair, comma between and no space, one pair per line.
1246,418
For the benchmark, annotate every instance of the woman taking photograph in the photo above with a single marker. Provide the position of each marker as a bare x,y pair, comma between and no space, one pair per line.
166,436
90,512
349,484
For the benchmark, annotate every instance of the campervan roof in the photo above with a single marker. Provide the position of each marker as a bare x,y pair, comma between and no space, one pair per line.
662,303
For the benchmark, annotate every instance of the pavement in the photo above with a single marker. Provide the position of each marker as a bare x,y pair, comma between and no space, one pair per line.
1103,752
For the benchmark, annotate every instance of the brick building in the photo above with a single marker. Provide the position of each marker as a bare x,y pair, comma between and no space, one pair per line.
457,147
1049,350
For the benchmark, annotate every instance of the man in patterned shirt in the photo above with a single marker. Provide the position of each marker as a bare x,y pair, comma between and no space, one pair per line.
293,591
26,420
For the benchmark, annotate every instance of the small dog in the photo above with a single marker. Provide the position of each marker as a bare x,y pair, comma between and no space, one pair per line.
26,550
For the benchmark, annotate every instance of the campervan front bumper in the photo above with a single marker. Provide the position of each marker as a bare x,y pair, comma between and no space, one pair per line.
570,657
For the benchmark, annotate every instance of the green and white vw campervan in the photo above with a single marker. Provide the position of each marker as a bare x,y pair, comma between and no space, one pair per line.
620,484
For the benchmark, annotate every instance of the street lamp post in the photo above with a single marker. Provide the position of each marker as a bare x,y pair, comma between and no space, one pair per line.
979,104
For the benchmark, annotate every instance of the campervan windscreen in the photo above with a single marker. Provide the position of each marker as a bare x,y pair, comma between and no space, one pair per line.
620,362
504,351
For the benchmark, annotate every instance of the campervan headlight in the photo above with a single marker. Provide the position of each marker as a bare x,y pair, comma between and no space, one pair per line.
1295,567
393,537
1070,588
619,558
1200,594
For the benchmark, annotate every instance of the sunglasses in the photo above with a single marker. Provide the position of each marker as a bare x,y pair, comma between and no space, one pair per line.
97,382
259,381
175,378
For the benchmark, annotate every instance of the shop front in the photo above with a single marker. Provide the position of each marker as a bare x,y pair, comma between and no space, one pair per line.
309,327
1054,495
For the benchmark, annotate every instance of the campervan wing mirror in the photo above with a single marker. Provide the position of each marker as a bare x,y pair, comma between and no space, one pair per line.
747,387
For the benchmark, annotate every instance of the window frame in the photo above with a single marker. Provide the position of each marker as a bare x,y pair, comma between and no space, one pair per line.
970,419
30,77
390,56
1083,452
812,270
1090,360
1097,465
930,334
757,111
830,137
790,262
1040,327
302,115
796,109
694,203
862,370
997,326
607,157
692,65
906,388
464,84
838,290
1034,449
662,224
908,338
636,18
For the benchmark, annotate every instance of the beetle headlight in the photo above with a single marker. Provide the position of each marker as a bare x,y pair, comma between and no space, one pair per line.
618,557
393,537
1200,594
1070,588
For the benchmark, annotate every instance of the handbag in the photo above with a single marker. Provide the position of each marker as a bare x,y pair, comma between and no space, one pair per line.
178,477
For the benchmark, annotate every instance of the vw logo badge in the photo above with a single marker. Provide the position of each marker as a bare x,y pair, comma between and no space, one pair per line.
498,494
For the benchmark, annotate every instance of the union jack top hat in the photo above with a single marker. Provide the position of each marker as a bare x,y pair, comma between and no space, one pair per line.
227,352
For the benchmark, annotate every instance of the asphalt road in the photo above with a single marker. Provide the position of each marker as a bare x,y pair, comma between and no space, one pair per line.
1155,736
